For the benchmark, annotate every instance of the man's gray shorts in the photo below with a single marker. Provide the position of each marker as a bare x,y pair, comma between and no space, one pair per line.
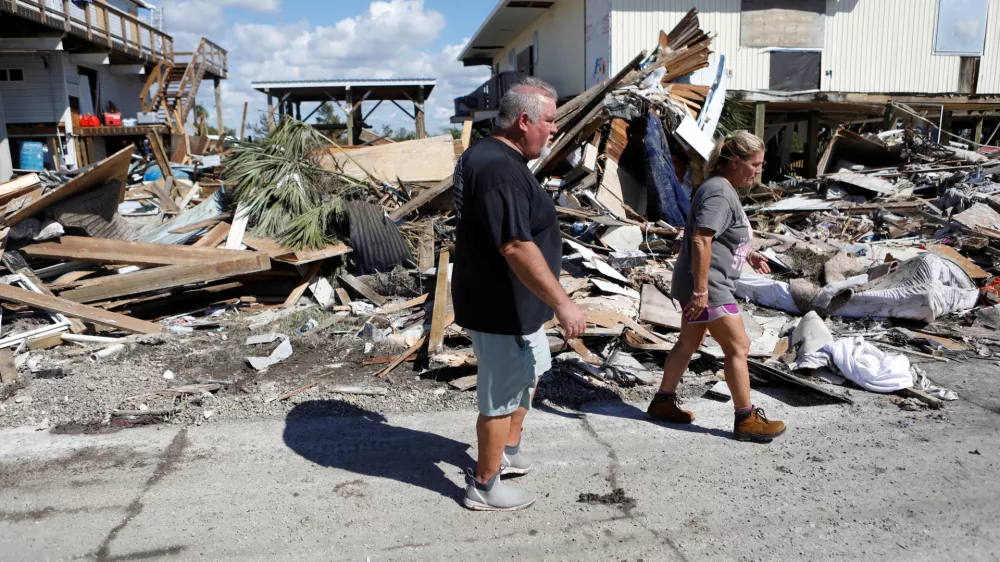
509,367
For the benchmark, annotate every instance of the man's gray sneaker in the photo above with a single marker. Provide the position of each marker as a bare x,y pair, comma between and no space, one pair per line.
495,495
514,462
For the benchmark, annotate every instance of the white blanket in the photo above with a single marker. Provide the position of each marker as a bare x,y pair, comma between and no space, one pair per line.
862,363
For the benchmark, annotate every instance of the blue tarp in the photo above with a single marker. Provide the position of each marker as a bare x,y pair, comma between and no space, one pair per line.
666,196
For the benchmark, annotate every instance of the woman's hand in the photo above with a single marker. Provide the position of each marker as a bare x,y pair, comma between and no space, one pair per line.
758,262
697,305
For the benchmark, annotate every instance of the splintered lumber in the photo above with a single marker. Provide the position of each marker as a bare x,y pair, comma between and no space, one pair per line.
214,237
422,199
76,310
16,264
282,253
583,352
440,304
162,194
425,248
761,369
300,289
115,167
105,288
399,360
239,227
404,305
18,187
362,289
106,250
160,154
931,401
8,370
342,296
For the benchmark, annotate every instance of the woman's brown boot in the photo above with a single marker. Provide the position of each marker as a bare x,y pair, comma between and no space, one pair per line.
664,407
756,427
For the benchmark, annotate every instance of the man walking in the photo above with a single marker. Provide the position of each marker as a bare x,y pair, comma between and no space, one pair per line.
505,284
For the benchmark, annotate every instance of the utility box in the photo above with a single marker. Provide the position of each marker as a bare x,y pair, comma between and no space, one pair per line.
147,118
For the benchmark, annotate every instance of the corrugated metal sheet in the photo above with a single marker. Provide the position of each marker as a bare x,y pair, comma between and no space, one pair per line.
989,64
34,100
885,46
636,25
870,46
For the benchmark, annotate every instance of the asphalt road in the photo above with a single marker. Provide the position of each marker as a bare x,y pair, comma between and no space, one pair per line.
867,481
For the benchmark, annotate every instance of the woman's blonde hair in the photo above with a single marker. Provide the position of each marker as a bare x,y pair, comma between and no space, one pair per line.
740,144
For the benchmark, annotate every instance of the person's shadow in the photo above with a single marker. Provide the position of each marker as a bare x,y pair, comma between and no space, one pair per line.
342,435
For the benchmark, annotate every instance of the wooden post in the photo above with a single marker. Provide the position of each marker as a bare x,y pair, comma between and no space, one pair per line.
90,24
977,137
298,110
758,118
218,110
243,127
270,113
812,145
350,119
418,112
943,138
888,118
67,21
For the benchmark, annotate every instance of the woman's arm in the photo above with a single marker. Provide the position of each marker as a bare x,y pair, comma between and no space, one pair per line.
701,259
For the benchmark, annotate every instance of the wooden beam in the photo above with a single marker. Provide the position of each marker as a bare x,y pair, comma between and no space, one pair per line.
115,167
162,194
362,289
239,227
76,310
214,237
160,154
399,360
300,289
440,304
18,187
342,296
105,288
422,199
404,305
105,250
812,145
243,126
466,134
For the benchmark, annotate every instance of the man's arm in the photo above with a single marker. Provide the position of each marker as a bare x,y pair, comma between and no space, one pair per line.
528,263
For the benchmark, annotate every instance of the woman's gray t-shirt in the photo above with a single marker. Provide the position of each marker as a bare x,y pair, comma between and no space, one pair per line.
715,206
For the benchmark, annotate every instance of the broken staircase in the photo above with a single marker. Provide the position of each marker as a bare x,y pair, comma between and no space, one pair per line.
172,87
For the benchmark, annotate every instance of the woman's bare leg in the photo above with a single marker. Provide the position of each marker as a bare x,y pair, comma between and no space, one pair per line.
691,338
729,332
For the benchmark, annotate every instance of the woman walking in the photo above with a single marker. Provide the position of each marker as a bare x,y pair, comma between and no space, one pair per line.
716,244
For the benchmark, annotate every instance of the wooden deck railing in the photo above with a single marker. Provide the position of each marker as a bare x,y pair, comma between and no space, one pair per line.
99,23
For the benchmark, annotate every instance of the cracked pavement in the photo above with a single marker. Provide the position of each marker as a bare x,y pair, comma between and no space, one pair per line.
863,481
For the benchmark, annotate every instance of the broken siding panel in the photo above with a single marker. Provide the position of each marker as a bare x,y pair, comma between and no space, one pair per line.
885,47
989,65
34,99
636,25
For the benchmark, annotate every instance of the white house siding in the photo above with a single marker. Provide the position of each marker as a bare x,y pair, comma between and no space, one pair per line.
870,46
561,59
989,65
41,98
885,46
636,26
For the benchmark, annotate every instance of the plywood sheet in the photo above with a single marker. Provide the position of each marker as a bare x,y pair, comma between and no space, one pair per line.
424,160
782,23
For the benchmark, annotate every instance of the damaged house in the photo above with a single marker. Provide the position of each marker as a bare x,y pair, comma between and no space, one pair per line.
64,63
800,67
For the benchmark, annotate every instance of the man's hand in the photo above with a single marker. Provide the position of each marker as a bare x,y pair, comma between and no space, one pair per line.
572,320
758,262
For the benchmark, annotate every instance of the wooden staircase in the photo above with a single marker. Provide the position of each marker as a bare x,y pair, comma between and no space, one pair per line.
172,87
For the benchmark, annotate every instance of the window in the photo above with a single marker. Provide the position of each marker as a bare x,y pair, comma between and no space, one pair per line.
11,75
794,71
960,27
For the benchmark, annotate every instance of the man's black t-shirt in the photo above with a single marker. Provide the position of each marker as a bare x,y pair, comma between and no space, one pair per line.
498,200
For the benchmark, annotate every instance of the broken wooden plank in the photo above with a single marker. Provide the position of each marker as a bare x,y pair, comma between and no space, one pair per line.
162,194
18,187
160,155
362,289
965,263
214,237
108,251
416,347
658,309
342,296
931,401
115,167
300,289
440,304
404,305
76,310
424,197
464,383
425,246
165,277
16,264
282,253
239,227
45,342
8,370
196,226
765,370
583,352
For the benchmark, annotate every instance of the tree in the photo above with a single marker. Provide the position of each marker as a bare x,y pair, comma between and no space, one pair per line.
455,132
404,134
327,115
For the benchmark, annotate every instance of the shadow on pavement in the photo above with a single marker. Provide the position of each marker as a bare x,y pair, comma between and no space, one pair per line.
341,435
628,411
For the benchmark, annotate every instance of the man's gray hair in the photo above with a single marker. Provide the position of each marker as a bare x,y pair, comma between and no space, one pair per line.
527,96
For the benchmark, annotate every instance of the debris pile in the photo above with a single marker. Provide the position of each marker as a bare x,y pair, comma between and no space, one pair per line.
296,246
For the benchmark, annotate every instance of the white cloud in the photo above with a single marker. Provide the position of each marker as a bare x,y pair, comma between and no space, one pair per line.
390,39
208,16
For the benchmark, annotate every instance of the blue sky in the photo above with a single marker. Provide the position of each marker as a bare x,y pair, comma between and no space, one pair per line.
308,39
